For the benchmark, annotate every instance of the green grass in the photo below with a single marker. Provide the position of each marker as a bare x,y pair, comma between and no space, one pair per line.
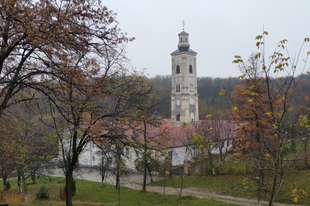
233,185
90,193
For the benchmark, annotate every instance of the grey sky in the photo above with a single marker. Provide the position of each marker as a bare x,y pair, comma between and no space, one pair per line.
218,29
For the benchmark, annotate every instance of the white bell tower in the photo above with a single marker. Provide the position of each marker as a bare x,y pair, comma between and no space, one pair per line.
184,96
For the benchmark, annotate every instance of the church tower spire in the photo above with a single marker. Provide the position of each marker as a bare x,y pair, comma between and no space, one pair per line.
184,96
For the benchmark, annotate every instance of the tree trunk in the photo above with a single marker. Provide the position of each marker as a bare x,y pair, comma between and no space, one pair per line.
150,173
274,184
306,162
25,187
144,174
164,183
211,162
69,177
33,177
4,178
18,182
119,193
181,189
144,160
118,167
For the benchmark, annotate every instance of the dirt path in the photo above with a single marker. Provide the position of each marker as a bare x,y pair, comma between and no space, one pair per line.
134,181
202,193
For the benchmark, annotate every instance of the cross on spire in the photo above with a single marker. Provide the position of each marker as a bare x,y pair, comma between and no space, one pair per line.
183,23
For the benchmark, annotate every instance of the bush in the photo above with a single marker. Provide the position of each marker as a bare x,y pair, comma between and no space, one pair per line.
73,187
62,193
8,186
42,194
62,190
231,171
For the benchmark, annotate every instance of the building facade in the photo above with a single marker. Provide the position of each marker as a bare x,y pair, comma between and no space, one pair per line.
184,96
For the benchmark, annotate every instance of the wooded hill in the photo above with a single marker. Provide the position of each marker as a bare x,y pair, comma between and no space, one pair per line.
210,102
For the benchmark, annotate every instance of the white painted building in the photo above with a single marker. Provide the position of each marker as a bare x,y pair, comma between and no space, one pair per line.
184,122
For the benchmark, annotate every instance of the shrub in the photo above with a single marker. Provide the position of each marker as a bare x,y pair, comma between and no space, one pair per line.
42,194
8,185
73,187
62,190
62,193
231,171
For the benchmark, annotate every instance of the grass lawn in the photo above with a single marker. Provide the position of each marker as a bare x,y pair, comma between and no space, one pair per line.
234,185
90,193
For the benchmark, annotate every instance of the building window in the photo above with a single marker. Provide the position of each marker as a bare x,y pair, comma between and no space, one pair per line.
178,117
191,101
191,87
190,69
170,154
186,39
93,158
178,69
177,89
192,116
181,39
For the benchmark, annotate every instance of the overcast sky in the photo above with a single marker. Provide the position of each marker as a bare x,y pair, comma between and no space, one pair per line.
218,30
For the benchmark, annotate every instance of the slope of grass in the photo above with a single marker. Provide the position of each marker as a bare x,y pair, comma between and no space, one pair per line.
236,185
90,193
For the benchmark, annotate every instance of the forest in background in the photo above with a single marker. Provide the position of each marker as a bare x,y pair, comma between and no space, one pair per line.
210,102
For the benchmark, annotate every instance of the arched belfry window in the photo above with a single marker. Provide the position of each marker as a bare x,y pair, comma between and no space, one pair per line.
178,69
177,88
190,69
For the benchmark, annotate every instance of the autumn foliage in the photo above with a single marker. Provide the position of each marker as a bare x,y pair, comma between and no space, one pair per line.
265,112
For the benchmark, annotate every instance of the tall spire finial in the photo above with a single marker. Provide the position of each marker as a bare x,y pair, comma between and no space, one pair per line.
183,22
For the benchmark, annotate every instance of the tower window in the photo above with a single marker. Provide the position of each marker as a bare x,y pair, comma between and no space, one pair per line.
192,116
191,101
177,88
191,87
178,117
190,69
181,39
178,69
